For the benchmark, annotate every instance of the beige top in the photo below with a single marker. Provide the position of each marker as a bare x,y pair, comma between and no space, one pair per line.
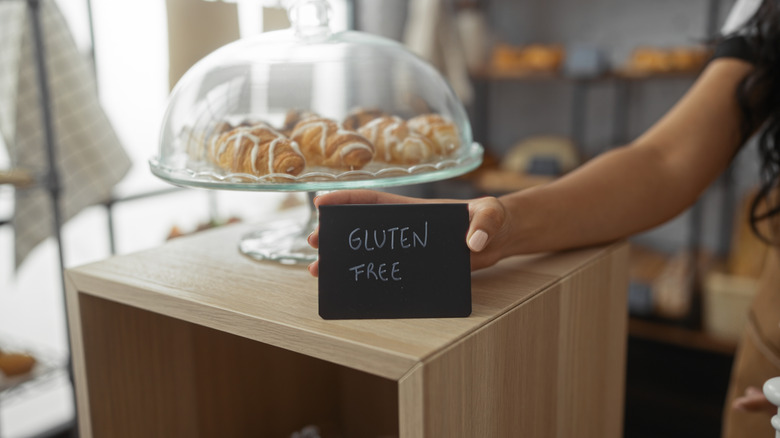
765,310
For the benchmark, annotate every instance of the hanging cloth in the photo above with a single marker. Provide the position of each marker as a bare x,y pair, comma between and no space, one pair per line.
89,157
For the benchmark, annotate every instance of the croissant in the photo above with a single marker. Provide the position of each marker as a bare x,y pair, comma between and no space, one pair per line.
437,129
293,117
360,116
324,143
395,143
195,141
258,150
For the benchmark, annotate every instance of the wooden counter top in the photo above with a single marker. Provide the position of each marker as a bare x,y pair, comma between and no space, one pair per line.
205,280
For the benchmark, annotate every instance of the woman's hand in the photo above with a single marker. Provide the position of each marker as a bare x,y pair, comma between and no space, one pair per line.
488,223
753,400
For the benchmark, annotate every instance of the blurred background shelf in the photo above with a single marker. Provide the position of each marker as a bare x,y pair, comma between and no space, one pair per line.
679,336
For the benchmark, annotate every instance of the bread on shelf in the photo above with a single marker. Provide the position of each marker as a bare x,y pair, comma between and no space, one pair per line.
654,60
16,364
531,58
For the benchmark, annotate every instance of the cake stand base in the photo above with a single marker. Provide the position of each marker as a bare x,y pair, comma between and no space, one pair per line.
283,242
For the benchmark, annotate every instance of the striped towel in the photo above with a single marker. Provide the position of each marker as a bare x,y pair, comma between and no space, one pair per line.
90,157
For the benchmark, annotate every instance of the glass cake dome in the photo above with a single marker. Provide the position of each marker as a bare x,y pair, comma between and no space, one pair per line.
307,109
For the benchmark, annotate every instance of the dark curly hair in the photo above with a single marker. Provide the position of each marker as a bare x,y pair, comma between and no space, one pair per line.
759,100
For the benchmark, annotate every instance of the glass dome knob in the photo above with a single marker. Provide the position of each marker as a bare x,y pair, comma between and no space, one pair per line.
309,17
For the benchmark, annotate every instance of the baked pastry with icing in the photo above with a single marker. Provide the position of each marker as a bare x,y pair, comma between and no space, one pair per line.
437,129
196,141
257,150
358,117
293,117
396,143
325,143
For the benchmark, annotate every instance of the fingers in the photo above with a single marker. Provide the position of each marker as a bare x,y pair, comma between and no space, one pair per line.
487,216
314,268
753,400
314,238
363,197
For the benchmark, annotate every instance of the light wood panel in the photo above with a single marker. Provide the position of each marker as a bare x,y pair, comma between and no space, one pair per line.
140,374
591,359
78,358
501,380
553,366
151,375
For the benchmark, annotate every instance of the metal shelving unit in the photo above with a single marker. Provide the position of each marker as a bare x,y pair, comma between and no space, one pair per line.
48,368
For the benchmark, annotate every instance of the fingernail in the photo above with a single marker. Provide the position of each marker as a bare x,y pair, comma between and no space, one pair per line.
308,239
478,241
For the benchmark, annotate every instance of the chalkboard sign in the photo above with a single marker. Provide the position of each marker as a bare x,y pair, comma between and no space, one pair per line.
394,261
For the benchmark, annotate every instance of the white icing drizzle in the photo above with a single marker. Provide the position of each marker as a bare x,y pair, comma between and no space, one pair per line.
390,139
346,149
246,133
295,147
272,153
372,128
315,123
422,127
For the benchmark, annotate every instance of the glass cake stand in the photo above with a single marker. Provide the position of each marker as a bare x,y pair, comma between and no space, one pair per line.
285,242
281,78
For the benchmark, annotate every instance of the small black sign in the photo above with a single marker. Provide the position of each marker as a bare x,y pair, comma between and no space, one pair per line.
394,261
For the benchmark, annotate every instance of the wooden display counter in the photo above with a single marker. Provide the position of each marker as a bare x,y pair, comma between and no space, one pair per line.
193,339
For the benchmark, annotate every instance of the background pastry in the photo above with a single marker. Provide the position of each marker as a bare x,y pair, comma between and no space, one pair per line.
324,143
294,117
358,117
396,143
439,130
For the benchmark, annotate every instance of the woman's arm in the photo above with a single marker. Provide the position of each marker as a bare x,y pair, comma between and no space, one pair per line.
639,186
621,192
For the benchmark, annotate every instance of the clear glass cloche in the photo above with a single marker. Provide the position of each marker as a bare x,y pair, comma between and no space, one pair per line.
308,109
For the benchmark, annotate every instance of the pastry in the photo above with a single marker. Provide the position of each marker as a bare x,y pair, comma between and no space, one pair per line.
396,143
439,130
359,117
650,60
14,364
530,58
294,117
258,150
324,143
539,57
196,141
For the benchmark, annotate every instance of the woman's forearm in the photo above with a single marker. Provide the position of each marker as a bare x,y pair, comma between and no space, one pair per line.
619,193
634,188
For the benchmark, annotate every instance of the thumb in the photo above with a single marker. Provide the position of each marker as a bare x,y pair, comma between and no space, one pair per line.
486,218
